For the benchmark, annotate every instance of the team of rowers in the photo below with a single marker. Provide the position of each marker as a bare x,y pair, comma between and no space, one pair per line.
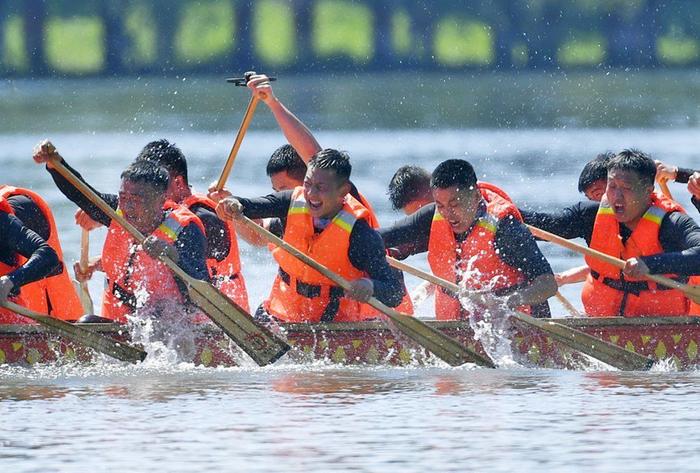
473,233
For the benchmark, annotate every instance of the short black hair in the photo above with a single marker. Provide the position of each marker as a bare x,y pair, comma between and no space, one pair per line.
337,161
286,159
636,161
594,170
147,172
407,184
454,172
166,154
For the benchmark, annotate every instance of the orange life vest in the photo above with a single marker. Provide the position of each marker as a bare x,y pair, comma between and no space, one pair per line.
225,274
134,279
475,258
53,295
302,294
7,316
607,292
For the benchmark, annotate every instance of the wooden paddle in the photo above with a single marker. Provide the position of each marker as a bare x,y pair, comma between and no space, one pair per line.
608,353
663,185
692,292
247,118
119,350
567,305
446,348
256,340
84,291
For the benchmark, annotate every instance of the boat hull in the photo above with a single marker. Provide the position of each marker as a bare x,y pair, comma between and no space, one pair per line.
662,338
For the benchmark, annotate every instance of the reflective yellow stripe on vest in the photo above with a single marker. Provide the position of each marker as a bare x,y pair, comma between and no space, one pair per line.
171,227
654,214
345,220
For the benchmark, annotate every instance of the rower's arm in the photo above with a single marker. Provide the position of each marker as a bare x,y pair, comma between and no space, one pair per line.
411,234
367,254
575,221
191,247
683,175
271,205
41,258
518,249
218,238
77,197
298,135
679,236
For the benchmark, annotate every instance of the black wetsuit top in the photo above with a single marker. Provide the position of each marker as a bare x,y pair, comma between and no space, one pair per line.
366,251
679,235
16,238
683,176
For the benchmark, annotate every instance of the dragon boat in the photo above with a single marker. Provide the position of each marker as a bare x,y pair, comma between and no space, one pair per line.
675,339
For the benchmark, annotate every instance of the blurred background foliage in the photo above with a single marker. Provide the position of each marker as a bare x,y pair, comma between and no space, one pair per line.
115,37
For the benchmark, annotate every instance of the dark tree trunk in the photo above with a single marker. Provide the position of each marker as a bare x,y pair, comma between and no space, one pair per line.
384,56
244,56
304,21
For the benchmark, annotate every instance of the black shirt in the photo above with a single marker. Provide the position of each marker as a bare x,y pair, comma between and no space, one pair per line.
679,235
366,251
15,239
683,176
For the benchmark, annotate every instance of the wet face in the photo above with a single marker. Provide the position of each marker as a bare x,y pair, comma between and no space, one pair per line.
628,196
457,206
596,191
323,192
141,204
282,181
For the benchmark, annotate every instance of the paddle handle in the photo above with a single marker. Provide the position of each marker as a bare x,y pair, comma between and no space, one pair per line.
406,268
247,118
693,292
85,299
663,185
567,305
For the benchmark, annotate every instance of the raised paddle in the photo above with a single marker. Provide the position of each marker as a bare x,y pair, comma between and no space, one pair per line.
247,118
663,185
567,305
608,353
446,348
256,340
84,291
692,292
119,350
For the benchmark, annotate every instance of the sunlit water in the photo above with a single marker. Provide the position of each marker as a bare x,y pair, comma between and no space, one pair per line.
172,417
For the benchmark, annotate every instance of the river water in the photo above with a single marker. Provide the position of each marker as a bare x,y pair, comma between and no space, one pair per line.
530,134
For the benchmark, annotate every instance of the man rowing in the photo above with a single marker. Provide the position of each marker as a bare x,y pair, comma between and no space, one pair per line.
592,183
223,259
136,278
474,238
54,294
324,221
24,257
632,222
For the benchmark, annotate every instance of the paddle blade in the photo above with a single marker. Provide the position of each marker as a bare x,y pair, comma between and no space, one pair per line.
257,341
444,347
608,353
119,350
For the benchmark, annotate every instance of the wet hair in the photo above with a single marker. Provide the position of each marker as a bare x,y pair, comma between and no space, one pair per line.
453,172
286,159
636,161
147,172
165,154
594,170
408,184
337,161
